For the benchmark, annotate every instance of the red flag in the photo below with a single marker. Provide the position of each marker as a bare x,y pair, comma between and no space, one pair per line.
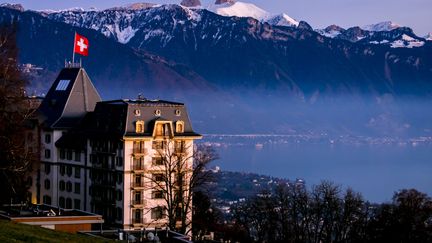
81,45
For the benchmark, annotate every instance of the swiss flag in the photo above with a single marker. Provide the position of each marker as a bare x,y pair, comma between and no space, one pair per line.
81,45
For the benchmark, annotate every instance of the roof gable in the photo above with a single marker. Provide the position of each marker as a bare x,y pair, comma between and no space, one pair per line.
72,95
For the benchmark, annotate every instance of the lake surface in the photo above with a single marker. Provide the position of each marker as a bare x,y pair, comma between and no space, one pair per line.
375,170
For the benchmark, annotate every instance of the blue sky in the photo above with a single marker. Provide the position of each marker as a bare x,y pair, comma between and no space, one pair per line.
416,14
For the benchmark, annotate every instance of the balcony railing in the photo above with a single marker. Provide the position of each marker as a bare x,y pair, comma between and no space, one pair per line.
138,166
138,220
138,203
139,151
180,150
137,184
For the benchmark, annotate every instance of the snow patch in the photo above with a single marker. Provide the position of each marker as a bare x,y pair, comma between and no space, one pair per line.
330,34
407,42
240,9
382,26
282,20
124,35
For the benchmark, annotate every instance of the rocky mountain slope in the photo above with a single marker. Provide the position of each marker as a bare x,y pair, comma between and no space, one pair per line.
234,69
243,52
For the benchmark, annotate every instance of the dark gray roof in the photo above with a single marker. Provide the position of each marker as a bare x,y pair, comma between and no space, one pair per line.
145,102
70,97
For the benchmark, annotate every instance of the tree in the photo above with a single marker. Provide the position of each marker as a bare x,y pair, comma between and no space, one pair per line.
15,158
407,219
180,174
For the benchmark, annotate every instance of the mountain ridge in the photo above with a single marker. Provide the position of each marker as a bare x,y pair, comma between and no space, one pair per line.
236,69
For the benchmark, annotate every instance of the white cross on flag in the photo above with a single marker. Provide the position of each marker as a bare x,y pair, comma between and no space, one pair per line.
81,45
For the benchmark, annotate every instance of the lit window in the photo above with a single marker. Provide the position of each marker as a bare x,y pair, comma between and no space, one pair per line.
179,127
163,129
139,127
62,85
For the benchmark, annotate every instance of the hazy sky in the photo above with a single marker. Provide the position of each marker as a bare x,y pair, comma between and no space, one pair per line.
416,14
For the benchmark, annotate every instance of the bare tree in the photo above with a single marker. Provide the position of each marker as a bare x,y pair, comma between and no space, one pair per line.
179,172
15,157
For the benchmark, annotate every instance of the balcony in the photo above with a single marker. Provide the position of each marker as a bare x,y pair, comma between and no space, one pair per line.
180,150
138,167
138,221
139,151
138,203
137,185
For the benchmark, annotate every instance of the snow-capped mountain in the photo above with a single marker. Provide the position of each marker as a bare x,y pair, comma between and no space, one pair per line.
120,23
193,47
239,9
384,33
381,26
428,37
259,54
331,31
282,20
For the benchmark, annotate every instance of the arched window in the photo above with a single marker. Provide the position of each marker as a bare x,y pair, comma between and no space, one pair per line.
62,185
179,127
69,186
68,203
47,184
139,127
62,202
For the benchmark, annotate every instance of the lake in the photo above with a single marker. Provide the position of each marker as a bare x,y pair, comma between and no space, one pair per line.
376,169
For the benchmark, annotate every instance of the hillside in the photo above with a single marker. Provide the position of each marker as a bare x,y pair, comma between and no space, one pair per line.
13,232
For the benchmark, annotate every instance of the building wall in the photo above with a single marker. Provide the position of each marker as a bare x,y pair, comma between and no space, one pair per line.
118,175
148,186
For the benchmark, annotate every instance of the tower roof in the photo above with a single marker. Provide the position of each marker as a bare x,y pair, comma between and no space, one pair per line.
70,97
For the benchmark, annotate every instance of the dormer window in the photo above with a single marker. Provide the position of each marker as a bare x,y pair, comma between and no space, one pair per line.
179,127
163,129
139,127
137,112
157,112
177,112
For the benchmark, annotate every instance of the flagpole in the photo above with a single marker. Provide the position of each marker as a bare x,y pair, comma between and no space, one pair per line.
73,50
